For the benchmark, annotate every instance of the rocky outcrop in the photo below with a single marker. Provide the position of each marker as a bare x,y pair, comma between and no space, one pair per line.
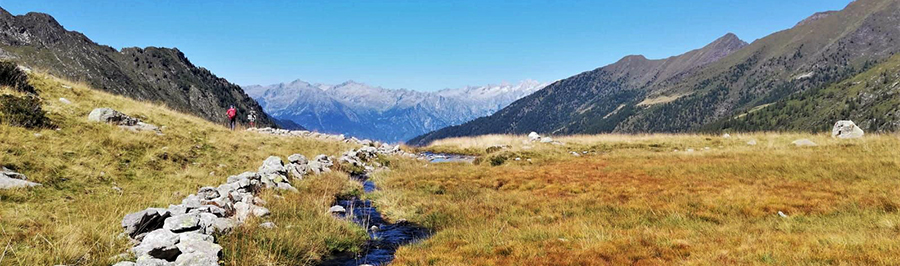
110,116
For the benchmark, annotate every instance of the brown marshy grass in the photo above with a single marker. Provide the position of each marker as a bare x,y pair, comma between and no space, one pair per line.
636,200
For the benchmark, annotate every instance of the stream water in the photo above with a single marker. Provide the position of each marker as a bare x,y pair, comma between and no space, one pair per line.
384,237
448,158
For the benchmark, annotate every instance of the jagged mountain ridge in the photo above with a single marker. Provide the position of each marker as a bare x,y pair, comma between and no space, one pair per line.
825,48
164,75
373,112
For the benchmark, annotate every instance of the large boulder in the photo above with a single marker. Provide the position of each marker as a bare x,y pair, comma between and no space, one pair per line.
108,115
846,129
533,136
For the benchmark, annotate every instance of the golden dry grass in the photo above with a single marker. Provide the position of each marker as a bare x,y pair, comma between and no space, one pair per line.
74,218
634,200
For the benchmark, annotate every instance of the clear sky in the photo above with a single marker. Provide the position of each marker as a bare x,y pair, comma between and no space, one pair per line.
420,45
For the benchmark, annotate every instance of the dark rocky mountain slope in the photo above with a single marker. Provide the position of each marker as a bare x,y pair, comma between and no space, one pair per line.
154,74
634,95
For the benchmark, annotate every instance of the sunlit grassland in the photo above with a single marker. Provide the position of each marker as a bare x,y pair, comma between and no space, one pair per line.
634,199
74,218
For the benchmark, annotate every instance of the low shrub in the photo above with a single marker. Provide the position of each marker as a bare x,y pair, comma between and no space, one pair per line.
23,111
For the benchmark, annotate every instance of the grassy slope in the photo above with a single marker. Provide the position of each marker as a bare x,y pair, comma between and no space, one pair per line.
634,200
75,217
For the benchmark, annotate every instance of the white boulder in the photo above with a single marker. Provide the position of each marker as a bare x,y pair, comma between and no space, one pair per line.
533,136
846,129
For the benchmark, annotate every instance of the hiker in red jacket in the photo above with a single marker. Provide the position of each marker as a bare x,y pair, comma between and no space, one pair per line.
232,114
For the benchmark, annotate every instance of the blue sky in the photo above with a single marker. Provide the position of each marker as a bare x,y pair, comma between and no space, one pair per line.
420,45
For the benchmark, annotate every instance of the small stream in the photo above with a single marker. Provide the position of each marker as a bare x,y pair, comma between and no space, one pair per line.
447,158
384,237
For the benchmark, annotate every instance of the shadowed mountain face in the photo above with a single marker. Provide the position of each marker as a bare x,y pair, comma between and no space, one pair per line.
372,112
695,90
163,75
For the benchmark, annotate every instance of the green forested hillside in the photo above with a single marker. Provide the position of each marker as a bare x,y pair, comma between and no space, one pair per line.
871,99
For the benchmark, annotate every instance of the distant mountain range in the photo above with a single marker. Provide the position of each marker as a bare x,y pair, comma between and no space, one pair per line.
392,115
791,79
163,75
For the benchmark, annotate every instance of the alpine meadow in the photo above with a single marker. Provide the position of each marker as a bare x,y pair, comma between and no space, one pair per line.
450,133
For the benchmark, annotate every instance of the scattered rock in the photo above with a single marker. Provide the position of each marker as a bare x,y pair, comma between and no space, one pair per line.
804,143
726,136
65,101
846,129
546,139
10,179
752,142
267,225
782,214
337,209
